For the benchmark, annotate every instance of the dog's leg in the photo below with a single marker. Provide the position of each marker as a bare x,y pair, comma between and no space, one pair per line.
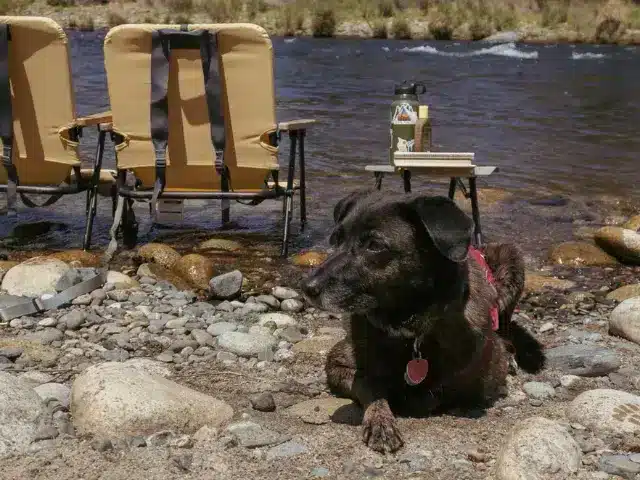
379,429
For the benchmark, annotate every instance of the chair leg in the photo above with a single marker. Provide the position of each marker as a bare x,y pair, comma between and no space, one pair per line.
225,204
379,176
92,192
303,184
475,211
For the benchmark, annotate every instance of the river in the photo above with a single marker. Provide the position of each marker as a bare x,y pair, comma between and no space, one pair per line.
561,121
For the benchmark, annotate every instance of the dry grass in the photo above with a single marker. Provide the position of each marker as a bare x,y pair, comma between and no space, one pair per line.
601,21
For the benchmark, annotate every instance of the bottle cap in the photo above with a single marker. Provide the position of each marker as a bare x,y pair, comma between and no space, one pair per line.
423,111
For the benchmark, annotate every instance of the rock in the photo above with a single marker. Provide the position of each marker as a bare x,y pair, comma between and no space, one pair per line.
21,411
280,319
269,300
290,334
578,254
318,345
159,272
286,450
254,307
246,344
263,402
503,37
633,223
203,338
149,366
619,465
158,253
57,391
34,351
309,259
547,327
283,293
196,269
622,243
537,448
583,360
537,283
219,328
291,305
84,258
70,278
252,435
606,410
624,293
34,277
569,381
624,320
116,399
318,411
220,244
226,286
539,390
120,280
74,319
11,352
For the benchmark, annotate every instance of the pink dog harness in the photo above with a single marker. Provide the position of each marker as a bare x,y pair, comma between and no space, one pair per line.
479,257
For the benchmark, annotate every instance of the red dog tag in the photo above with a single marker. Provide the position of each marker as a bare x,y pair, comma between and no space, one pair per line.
417,370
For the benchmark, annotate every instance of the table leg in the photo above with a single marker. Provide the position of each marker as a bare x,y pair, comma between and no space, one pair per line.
452,187
406,177
475,211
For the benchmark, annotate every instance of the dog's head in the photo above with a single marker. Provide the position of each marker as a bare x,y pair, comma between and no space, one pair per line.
393,258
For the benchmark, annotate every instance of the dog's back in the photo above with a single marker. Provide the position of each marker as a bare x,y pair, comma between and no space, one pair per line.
507,265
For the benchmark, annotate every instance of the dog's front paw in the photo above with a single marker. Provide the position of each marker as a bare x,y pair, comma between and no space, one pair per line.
379,429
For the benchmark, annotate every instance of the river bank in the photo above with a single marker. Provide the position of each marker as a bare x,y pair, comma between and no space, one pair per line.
599,22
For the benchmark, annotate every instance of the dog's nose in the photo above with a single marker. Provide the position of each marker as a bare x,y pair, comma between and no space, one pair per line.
311,287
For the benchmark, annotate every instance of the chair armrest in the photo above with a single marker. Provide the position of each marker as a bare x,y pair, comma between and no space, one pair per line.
293,125
95,119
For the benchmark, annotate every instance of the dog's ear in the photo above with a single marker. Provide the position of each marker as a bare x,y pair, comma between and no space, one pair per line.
346,204
447,225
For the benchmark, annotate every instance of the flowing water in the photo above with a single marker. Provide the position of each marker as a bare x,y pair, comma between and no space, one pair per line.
561,121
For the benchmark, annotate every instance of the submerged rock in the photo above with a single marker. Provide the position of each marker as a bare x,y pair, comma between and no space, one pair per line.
196,269
622,243
159,253
577,254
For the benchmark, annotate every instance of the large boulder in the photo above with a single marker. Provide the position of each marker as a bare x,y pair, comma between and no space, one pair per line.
117,399
21,412
622,243
35,277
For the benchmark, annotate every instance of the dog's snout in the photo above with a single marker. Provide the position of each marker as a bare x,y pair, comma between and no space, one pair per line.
311,286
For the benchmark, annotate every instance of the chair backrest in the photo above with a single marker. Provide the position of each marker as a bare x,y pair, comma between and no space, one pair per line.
245,63
42,100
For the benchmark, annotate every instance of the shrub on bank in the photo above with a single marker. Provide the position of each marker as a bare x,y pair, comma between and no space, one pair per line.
379,29
400,29
324,23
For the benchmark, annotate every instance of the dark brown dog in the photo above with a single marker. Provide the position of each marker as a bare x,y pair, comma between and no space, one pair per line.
401,269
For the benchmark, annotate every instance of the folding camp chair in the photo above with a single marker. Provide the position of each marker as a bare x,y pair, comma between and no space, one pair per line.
194,118
38,124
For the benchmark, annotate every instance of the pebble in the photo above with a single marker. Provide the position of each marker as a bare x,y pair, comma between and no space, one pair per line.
263,402
547,327
291,305
203,338
226,286
583,360
286,450
270,300
280,319
245,344
569,381
251,435
284,293
290,334
74,319
219,328
48,322
539,390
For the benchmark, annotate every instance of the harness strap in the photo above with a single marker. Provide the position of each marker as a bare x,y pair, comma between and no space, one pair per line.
37,305
162,42
479,258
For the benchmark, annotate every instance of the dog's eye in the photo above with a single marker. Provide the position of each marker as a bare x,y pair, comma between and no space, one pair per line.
376,245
